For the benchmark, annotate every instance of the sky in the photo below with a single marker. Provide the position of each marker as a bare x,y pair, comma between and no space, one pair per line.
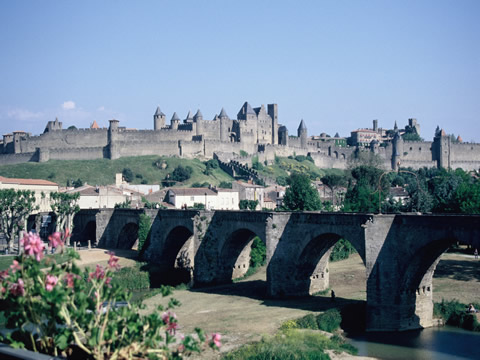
336,64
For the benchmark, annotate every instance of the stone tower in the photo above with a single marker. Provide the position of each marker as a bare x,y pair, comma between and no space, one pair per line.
174,121
114,152
302,134
158,119
375,125
442,149
283,136
397,150
223,117
273,112
198,119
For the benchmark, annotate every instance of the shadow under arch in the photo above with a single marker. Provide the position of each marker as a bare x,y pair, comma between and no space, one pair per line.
235,254
175,264
415,291
128,236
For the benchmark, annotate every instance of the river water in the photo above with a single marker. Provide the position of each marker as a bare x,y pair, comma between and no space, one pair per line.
437,343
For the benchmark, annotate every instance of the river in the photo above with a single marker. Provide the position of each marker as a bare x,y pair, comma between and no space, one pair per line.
436,343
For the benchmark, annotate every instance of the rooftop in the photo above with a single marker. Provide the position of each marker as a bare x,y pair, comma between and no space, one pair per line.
5,180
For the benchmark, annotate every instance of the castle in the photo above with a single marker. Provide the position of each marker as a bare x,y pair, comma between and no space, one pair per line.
254,131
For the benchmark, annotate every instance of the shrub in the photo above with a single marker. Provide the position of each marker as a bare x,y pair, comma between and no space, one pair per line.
181,173
225,185
258,253
281,180
454,313
131,278
308,322
248,204
342,250
329,320
144,182
127,174
300,158
144,226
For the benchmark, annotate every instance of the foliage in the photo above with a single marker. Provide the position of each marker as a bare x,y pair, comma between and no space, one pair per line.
15,206
258,253
412,136
281,180
127,174
243,153
454,313
342,250
363,196
181,173
77,183
198,206
127,204
259,181
333,181
291,344
309,321
64,310
248,204
225,185
152,205
200,185
131,278
65,205
144,225
301,195
328,321
210,165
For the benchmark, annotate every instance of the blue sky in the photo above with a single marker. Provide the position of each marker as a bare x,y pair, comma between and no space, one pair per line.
336,64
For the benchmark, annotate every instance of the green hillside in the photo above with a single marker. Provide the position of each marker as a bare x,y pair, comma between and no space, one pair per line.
102,171
149,169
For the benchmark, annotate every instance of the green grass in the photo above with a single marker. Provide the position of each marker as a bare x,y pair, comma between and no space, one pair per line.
102,171
283,166
291,345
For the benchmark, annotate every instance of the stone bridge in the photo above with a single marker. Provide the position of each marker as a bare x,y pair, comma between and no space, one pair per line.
400,252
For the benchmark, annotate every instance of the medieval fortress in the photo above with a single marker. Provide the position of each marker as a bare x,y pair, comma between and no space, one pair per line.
255,131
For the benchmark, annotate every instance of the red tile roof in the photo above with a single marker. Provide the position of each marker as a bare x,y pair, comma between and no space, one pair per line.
26,181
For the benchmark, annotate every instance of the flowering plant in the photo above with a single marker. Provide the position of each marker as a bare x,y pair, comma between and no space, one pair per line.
62,310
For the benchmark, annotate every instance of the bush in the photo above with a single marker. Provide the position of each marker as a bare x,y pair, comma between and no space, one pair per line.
307,322
200,185
131,278
248,204
454,313
144,182
281,180
181,173
258,253
300,158
342,250
329,320
127,174
225,185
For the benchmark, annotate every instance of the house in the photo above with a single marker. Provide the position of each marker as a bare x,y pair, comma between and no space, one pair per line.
211,198
399,194
98,197
248,191
42,189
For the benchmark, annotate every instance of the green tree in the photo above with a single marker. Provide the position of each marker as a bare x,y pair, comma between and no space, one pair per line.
248,204
65,205
15,206
225,185
181,173
300,194
333,181
127,174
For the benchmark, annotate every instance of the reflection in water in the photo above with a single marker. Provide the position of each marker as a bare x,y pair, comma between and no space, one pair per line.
427,344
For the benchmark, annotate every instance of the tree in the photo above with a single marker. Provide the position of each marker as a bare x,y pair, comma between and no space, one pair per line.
333,181
300,194
65,205
181,173
77,183
127,174
248,204
15,206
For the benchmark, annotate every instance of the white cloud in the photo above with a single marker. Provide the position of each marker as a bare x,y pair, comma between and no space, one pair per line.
23,114
68,105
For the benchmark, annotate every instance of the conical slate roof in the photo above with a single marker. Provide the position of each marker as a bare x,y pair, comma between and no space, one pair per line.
198,115
302,126
189,115
159,112
175,117
223,113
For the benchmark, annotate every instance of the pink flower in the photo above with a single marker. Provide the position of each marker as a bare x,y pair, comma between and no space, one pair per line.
51,282
17,289
33,245
215,341
15,266
170,319
113,261
3,275
55,240
98,274
69,278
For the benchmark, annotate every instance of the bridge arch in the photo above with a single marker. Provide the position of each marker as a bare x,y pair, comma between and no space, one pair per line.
128,236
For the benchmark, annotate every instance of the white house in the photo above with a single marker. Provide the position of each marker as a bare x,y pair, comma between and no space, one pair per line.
218,199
